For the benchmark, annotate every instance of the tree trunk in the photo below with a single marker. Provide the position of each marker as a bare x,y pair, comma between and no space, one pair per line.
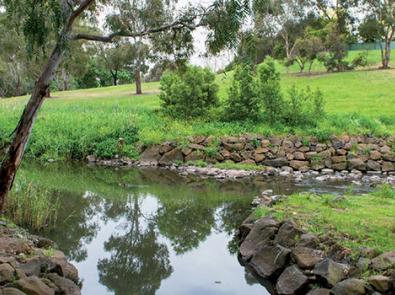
114,78
65,80
16,150
137,78
386,55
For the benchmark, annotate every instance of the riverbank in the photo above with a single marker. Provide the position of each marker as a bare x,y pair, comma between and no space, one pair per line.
30,265
312,244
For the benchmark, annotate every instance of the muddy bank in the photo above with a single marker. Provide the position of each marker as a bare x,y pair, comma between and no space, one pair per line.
30,265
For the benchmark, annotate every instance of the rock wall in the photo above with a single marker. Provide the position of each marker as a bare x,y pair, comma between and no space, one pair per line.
289,261
302,154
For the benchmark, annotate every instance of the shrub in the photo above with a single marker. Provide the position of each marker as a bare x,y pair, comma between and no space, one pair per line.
269,90
304,108
188,94
243,103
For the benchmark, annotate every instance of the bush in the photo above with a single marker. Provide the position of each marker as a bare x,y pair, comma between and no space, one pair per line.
243,103
269,90
304,108
188,94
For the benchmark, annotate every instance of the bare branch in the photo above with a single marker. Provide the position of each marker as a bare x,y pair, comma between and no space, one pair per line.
76,13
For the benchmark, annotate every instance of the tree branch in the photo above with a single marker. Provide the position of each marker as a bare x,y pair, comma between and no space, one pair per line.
178,24
76,13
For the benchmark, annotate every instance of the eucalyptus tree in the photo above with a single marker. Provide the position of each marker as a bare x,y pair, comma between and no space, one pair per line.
381,19
281,18
56,18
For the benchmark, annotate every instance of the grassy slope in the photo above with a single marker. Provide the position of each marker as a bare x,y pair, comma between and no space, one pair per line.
353,221
72,119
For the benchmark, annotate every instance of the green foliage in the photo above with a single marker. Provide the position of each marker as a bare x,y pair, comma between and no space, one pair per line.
239,166
31,206
243,103
269,90
304,108
188,94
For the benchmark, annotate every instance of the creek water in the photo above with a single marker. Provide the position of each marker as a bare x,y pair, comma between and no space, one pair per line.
144,231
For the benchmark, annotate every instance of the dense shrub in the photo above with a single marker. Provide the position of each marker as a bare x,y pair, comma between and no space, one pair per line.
188,94
243,103
269,90
304,107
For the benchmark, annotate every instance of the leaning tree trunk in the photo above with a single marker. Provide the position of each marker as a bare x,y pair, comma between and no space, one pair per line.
16,150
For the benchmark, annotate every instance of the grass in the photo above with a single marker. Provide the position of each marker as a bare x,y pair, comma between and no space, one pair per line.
353,221
239,166
74,124
31,206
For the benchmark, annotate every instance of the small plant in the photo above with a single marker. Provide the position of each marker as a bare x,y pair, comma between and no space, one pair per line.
213,148
367,151
256,142
188,94
385,191
315,159
305,141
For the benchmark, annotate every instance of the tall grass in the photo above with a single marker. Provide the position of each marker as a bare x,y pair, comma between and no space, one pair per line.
31,206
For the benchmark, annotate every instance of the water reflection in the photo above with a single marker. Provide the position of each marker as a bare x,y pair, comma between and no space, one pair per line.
151,231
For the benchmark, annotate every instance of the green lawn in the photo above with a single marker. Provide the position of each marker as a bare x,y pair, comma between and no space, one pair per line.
358,102
353,221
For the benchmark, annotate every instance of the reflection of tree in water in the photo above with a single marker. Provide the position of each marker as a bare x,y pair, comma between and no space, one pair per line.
138,262
231,216
75,218
185,224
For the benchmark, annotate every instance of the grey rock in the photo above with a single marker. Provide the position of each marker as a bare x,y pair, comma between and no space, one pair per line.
384,261
11,291
349,287
373,166
269,260
380,283
357,164
151,154
288,234
332,272
306,257
279,162
172,157
34,286
66,286
291,281
7,273
319,291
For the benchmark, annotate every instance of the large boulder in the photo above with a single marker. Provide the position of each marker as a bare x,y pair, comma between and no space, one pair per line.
279,162
11,291
263,231
288,234
270,260
7,273
291,281
349,287
66,286
357,164
300,165
380,283
384,261
151,155
172,157
307,257
34,286
330,271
